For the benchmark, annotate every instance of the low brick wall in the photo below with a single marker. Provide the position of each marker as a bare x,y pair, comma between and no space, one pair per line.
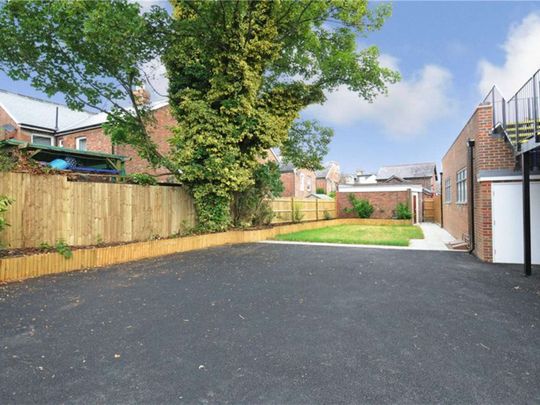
384,203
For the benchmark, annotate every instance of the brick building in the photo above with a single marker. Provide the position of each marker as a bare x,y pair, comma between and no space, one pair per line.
328,178
481,183
298,183
424,174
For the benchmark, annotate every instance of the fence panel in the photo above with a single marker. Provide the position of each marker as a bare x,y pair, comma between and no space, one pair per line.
49,208
432,209
307,209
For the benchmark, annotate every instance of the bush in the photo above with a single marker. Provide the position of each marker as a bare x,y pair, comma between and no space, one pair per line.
403,212
362,208
332,194
142,179
5,202
327,215
320,190
297,213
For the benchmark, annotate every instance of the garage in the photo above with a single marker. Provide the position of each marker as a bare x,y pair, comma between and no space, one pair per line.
507,217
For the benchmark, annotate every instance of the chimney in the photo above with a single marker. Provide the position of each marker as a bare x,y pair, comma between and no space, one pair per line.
141,95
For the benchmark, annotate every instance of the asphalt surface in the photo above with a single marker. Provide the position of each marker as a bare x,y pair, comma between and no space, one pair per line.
279,324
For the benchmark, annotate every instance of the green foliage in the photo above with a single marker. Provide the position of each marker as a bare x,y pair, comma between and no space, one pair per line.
239,75
297,214
241,72
250,207
403,211
362,208
327,215
307,145
62,248
320,190
142,179
5,203
332,194
7,162
45,246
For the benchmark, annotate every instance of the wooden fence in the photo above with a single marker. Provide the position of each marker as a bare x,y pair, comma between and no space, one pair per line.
307,209
432,209
49,208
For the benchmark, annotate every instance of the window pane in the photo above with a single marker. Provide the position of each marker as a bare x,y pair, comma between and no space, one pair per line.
41,140
81,143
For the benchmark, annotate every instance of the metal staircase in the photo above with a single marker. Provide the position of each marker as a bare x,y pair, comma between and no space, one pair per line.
518,119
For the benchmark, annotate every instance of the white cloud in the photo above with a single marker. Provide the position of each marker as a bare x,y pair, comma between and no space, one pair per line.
409,108
522,58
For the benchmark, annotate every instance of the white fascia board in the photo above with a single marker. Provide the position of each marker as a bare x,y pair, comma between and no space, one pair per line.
506,178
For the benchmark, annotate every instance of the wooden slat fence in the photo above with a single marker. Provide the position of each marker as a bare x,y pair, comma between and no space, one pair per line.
432,209
50,208
309,209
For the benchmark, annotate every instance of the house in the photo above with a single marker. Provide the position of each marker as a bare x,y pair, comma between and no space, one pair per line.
298,183
360,177
490,181
414,173
328,178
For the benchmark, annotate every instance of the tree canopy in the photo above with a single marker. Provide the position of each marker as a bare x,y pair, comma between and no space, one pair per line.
240,72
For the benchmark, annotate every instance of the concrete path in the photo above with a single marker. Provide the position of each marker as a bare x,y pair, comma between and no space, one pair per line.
435,238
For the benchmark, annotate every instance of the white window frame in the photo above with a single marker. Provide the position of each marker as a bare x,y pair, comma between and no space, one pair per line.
308,188
461,186
61,143
302,180
448,190
77,143
51,138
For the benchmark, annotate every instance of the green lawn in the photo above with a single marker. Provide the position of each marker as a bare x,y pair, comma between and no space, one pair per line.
392,235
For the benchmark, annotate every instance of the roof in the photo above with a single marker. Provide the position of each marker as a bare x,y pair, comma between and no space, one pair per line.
322,173
31,111
321,197
286,167
408,171
61,150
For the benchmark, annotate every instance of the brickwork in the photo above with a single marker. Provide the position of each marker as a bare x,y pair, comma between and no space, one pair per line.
96,140
384,203
292,183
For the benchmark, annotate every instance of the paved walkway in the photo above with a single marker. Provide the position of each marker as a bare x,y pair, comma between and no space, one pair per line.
435,238
275,324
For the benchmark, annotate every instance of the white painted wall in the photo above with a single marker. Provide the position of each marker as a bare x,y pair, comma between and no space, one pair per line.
507,220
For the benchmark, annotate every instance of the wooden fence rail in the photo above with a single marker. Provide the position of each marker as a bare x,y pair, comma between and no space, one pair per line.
49,208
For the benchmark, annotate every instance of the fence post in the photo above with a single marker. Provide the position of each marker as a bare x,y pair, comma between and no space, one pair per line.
292,209
317,209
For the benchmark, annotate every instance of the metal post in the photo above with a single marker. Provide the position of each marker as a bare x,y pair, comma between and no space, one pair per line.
525,168
518,143
535,110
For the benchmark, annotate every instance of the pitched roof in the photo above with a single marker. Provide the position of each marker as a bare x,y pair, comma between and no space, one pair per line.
286,167
407,171
31,111
323,172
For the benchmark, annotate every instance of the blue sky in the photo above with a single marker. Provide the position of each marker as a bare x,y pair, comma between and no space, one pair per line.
448,54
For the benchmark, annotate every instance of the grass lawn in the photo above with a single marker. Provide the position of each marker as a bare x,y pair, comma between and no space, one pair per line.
392,235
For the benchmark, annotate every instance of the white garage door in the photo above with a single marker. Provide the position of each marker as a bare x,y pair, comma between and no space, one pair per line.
507,211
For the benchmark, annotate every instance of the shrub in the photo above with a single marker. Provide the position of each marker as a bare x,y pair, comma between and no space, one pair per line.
62,248
320,190
297,213
5,203
362,208
327,215
332,194
142,179
403,212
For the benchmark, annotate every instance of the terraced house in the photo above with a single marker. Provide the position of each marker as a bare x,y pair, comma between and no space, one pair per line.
490,182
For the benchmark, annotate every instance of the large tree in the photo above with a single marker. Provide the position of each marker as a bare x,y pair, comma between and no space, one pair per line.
240,73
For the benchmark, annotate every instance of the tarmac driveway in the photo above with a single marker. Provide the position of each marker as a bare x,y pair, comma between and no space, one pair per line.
266,323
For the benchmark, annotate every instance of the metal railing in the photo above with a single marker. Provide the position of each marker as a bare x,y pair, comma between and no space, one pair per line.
519,117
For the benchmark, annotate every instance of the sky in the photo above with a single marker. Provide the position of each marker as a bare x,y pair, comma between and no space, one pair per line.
449,55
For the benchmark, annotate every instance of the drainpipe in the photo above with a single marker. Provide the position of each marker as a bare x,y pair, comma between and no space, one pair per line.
470,197
442,203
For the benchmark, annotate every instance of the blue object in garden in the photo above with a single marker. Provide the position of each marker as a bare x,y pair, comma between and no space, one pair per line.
59,164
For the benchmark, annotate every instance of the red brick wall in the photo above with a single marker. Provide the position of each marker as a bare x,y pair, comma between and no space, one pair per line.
483,222
384,203
291,183
96,140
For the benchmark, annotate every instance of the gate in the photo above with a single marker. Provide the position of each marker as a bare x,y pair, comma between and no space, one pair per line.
432,209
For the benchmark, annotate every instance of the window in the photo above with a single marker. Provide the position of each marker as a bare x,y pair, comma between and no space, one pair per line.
447,191
42,140
80,143
61,143
309,184
302,181
461,186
